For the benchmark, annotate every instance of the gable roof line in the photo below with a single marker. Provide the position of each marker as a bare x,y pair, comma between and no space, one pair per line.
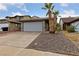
69,19
35,19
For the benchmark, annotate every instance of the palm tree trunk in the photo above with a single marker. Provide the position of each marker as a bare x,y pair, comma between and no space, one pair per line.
51,23
55,21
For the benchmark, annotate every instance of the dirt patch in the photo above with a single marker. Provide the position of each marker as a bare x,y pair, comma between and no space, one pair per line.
74,37
54,43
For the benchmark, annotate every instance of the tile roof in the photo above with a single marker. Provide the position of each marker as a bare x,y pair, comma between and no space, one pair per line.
34,19
18,16
13,21
28,18
69,19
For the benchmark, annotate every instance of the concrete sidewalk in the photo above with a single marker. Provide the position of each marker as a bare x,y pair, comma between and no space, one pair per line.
13,51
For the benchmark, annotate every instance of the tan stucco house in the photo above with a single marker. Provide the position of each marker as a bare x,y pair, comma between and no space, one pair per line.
27,23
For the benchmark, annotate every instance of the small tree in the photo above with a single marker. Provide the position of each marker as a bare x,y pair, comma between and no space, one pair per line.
58,27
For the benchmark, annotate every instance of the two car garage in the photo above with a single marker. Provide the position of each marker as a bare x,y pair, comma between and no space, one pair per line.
33,26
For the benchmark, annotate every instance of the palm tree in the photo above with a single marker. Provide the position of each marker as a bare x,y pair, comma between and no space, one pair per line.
56,13
50,7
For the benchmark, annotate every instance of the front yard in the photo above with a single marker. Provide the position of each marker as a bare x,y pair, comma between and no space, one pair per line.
54,43
73,37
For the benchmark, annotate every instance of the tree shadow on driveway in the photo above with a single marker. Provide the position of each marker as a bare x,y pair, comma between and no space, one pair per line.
54,43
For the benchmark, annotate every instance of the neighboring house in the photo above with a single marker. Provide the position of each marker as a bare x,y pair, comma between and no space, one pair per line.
3,25
67,21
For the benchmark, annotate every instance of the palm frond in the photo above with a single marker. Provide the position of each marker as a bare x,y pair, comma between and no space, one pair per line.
44,8
52,7
56,12
46,5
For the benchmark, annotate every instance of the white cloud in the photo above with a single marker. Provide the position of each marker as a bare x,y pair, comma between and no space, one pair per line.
67,13
16,13
25,9
20,6
63,15
64,4
3,6
2,17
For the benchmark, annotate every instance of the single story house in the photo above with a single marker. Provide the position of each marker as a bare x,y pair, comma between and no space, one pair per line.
27,23
3,25
67,21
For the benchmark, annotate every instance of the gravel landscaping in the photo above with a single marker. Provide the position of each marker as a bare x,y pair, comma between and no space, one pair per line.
54,43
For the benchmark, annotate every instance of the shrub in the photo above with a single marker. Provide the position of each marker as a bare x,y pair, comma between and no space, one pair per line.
70,28
58,27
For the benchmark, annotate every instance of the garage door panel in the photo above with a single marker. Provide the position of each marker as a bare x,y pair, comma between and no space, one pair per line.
33,26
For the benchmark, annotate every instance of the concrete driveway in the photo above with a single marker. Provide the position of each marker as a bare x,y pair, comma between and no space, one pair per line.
13,44
18,39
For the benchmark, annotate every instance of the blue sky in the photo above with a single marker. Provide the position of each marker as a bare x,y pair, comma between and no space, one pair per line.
35,9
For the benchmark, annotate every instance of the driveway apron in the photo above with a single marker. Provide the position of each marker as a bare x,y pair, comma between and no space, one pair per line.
18,39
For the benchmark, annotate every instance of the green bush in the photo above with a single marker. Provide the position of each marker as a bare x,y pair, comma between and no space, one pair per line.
58,27
70,28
